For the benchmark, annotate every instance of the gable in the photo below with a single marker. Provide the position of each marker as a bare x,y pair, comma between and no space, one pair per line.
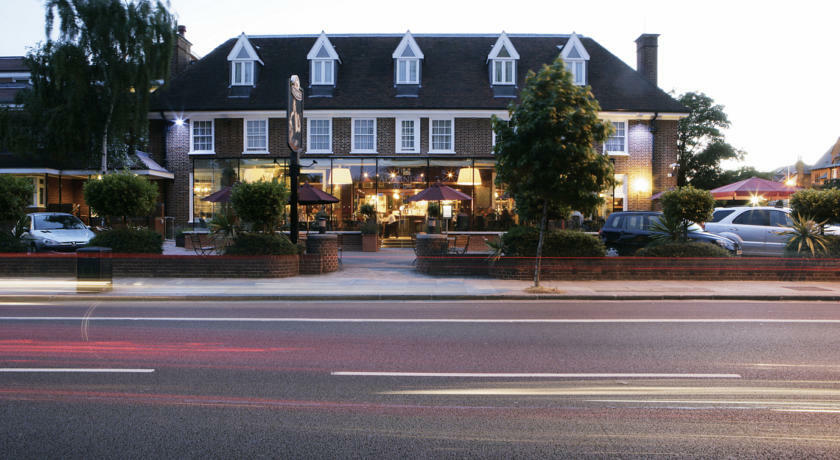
243,50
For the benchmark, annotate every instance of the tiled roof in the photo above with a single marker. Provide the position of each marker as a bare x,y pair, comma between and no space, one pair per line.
12,64
454,75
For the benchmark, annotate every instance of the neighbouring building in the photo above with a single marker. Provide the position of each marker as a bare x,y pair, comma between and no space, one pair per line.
827,167
386,115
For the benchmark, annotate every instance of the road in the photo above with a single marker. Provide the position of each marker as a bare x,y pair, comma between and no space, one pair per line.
420,379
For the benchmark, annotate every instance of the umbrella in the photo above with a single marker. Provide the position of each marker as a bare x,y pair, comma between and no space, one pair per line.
439,192
754,186
308,194
221,196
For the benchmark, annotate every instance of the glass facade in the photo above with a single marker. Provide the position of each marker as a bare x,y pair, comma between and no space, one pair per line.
385,183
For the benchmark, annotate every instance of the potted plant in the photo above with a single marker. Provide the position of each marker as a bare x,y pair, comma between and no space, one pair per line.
369,228
434,215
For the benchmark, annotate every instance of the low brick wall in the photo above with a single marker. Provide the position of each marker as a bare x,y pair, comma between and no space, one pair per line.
154,265
321,254
632,268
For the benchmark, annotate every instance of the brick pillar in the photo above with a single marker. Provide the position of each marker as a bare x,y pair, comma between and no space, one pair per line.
326,247
428,247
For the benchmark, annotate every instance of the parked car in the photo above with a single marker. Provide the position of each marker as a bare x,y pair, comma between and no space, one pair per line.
54,231
759,229
626,231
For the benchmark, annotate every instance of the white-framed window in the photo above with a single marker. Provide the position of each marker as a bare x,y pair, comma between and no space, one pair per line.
408,135
578,70
363,133
504,72
256,136
441,135
201,136
322,72
408,71
243,73
617,142
319,135
39,192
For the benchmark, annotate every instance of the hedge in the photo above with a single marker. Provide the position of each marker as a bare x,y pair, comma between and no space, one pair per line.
262,244
522,241
129,241
687,249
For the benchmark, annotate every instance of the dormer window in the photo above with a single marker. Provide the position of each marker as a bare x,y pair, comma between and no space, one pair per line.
243,73
407,59
242,58
322,63
502,60
575,57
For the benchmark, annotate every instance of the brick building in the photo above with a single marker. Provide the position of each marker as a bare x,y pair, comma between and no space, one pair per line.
386,115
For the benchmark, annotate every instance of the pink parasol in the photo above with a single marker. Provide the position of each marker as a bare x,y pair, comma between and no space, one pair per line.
754,186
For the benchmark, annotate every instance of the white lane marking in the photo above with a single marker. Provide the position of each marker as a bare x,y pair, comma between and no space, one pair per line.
429,320
539,375
71,370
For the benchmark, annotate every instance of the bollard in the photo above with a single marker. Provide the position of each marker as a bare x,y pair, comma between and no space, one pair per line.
93,269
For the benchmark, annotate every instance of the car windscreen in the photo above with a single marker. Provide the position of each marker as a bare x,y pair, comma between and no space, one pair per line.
57,222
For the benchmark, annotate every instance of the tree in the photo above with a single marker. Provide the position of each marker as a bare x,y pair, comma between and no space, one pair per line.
121,194
700,143
15,196
821,206
91,86
546,154
262,203
686,205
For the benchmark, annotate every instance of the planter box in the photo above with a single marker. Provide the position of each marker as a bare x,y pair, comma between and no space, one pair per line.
370,243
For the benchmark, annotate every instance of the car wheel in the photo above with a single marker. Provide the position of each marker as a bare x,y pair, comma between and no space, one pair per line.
612,251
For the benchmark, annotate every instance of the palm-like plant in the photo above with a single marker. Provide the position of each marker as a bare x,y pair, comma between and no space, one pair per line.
805,234
666,229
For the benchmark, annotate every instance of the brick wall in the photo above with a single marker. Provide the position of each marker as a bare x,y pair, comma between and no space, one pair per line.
321,254
664,155
631,268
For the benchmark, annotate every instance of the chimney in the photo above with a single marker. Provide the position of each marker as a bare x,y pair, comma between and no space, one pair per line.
182,55
646,51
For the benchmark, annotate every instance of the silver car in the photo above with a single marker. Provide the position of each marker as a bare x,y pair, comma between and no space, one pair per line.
54,231
759,229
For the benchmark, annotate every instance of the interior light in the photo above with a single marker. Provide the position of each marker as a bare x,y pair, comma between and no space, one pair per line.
468,176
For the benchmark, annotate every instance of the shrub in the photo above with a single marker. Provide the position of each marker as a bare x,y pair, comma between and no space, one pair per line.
683,249
10,243
262,203
433,210
686,205
15,196
820,205
522,241
121,194
129,241
262,244
369,227
368,211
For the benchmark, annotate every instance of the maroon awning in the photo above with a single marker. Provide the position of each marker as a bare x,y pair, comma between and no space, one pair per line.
440,192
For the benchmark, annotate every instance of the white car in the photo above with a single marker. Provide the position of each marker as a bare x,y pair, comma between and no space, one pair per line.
54,231
759,229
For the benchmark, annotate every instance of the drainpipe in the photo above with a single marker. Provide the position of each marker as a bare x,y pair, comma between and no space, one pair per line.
653,140
166,124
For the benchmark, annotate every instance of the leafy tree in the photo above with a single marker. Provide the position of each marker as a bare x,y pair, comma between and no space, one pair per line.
262,203
90,92
821,206
545,154
700,143
15,196
121,194
686,205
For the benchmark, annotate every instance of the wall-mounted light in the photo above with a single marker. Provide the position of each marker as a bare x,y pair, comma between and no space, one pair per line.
179,122
641,185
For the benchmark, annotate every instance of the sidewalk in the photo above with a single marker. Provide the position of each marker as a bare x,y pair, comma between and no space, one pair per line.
389,275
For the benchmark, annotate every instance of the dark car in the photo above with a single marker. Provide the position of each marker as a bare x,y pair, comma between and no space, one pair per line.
625,232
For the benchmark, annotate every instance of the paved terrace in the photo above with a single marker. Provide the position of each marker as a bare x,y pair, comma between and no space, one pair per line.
389,274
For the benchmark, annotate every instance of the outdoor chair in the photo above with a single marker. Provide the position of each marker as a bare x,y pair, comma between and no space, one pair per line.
202,248
458,244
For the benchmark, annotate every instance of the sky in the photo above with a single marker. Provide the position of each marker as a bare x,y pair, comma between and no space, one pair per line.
771,64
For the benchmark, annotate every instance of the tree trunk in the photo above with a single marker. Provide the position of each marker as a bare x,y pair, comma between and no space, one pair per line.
543,223
104,163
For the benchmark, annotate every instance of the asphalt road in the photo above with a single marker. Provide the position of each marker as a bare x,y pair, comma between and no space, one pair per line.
417,379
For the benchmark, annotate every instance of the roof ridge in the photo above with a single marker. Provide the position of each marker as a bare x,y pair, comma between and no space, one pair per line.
399,35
